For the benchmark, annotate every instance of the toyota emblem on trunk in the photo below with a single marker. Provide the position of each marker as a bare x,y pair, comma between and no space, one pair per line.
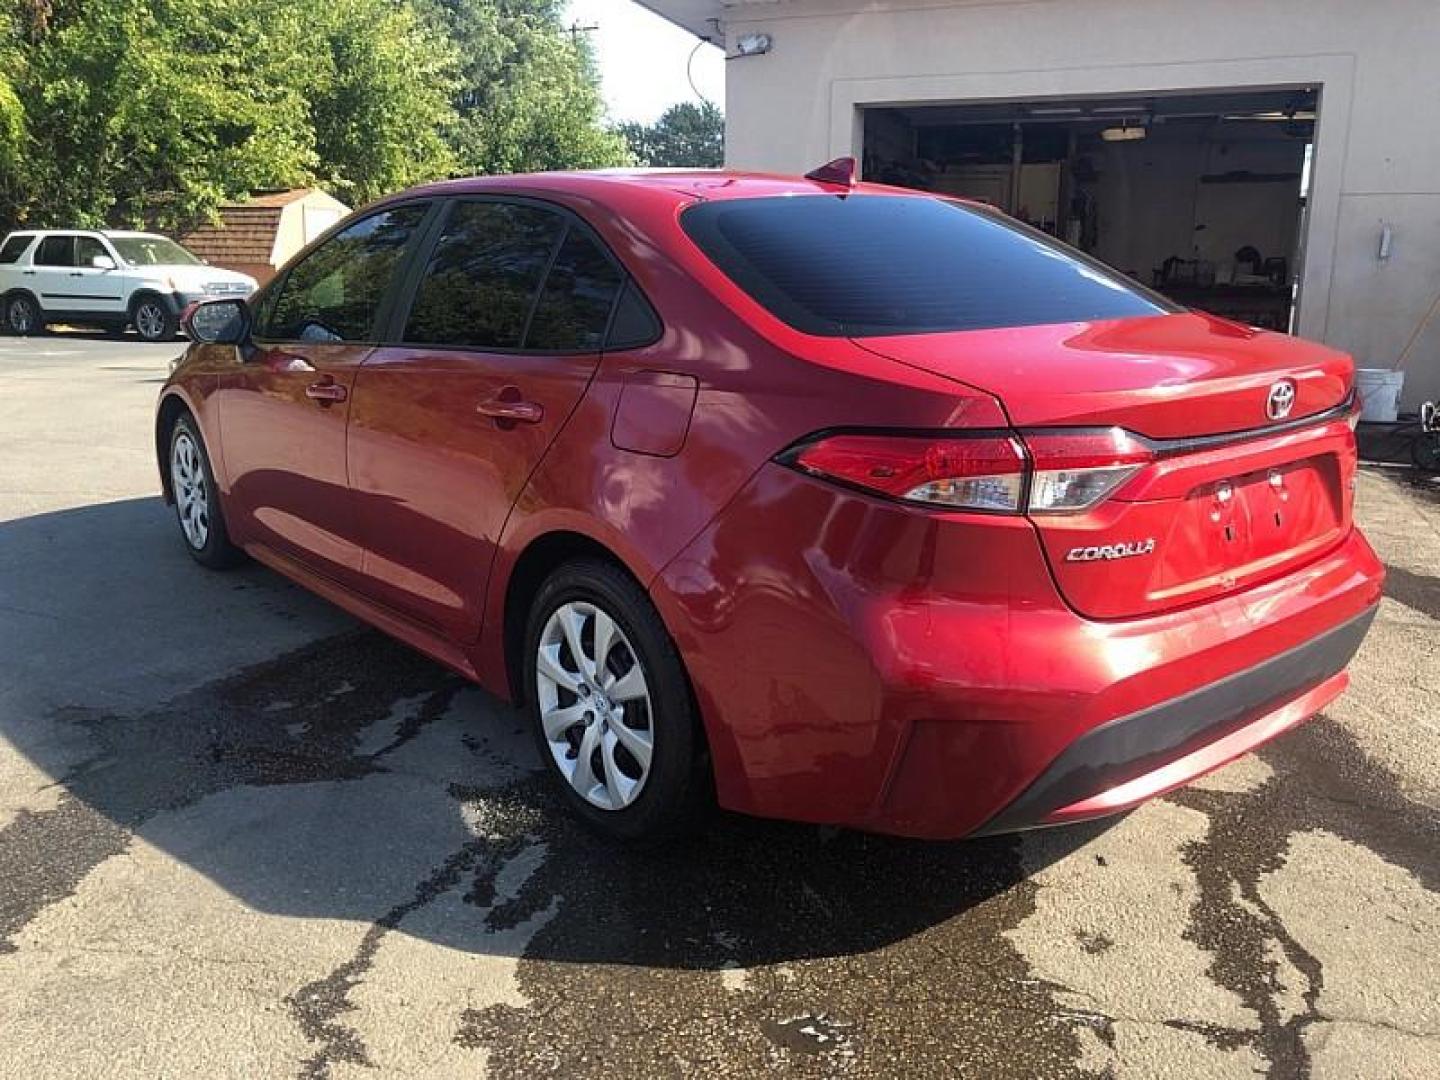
1281,400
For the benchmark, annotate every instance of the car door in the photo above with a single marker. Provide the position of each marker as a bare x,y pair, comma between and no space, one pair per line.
48,276
285,407
95,289
509,310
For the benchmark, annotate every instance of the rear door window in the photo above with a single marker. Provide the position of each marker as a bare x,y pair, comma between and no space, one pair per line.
13,248
579,294
334,294
484,276
861,266
56,251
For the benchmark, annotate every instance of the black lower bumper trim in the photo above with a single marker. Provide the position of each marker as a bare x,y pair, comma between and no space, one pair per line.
1131,746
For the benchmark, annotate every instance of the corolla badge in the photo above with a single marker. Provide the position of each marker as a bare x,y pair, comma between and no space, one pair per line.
1281,400
1126,550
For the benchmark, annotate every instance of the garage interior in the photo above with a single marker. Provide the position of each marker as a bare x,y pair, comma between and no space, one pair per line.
1199,196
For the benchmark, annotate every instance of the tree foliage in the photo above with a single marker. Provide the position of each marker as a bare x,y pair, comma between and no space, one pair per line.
129,112
685,135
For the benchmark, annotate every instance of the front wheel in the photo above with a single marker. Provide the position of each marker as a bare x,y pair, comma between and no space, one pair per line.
197,501
611,707
22,316
154,321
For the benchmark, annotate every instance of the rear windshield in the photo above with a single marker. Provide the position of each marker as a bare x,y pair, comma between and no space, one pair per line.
861,266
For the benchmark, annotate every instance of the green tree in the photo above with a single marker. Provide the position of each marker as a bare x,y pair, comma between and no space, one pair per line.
527,96
686,135
155,111
141,112
380,98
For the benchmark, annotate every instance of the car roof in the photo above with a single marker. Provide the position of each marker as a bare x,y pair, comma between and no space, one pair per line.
667,185
113,233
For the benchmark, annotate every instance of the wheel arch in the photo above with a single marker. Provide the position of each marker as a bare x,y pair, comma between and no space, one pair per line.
173,404
541,557
142,293
18,291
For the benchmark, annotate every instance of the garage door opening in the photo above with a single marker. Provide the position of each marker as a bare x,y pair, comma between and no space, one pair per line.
1200,196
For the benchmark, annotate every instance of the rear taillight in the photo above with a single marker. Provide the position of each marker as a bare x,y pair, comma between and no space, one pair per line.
981,473
1064,472
1074,470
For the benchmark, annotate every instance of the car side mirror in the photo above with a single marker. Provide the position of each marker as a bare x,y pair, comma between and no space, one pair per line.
102,262
217,322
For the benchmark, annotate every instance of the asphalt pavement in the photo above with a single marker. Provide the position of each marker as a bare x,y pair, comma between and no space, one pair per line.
243,836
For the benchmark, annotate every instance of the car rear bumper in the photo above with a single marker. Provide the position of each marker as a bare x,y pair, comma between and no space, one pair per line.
920,675
1132,758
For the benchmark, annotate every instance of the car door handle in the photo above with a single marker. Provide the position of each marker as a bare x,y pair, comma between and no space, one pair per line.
327,393
509,406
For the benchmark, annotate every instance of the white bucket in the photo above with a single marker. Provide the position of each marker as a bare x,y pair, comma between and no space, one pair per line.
1379,390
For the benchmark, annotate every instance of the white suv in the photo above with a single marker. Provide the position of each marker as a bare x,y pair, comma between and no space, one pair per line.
109,279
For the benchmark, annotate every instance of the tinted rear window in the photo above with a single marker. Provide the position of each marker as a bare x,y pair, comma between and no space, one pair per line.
574,307
874,265
56,251
14,247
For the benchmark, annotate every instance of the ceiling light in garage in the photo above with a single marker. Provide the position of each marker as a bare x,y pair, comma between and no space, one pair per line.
1123,133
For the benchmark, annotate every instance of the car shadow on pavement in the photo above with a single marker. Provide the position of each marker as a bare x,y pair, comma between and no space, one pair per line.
1418,592
244,730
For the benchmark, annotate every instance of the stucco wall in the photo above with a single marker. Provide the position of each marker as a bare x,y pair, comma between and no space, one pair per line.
1377,153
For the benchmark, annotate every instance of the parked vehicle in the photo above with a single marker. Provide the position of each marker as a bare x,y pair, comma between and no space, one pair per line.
107,279
845,503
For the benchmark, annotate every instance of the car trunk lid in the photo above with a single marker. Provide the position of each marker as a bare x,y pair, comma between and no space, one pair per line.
1229,493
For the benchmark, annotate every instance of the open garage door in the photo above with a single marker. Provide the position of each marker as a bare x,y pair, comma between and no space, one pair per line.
1200,196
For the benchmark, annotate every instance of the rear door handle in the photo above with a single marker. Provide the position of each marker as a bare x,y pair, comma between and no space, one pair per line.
508,405
327,393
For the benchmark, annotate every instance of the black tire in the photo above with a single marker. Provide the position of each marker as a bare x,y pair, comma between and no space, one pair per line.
217,551
153,320
22,316
1425,452
678,791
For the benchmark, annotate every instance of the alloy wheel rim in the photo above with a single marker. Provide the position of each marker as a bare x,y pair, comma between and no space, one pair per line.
192,503
20,320
149,321
595,710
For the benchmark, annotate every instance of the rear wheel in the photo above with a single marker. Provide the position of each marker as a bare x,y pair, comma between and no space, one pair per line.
1425,452
22,315
197,501
153,320
611,706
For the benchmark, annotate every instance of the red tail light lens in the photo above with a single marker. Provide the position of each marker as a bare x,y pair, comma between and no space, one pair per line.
1075,470
980,473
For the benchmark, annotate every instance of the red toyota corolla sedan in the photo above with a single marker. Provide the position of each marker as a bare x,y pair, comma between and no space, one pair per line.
824,501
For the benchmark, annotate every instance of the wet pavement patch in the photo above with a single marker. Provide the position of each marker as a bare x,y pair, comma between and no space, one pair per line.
223,735
1321,781
762,946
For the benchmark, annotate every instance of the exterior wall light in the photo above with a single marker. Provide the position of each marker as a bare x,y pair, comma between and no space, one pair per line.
752,45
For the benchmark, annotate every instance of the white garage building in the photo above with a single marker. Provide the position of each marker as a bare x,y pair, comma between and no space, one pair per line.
1273,160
